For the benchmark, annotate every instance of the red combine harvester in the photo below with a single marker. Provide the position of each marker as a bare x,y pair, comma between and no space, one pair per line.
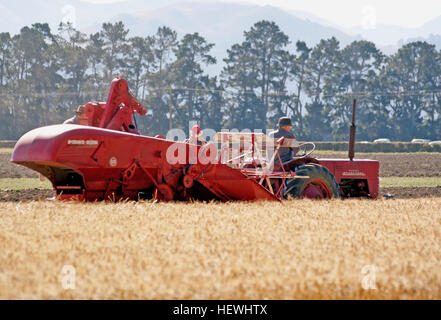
109,160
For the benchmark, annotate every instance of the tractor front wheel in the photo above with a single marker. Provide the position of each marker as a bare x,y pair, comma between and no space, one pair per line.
321,183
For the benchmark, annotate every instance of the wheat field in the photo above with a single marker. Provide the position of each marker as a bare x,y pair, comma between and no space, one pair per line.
293,250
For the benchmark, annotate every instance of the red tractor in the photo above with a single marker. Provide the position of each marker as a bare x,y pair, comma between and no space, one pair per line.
109,159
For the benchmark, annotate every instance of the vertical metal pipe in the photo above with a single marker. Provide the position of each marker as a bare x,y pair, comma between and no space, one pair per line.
352,129
170,120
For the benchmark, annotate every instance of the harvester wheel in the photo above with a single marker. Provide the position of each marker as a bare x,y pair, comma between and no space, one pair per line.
321,183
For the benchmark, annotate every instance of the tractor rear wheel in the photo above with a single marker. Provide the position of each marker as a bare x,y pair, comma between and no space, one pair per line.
321,183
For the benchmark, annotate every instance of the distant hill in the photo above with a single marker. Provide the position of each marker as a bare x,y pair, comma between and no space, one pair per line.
389,37
220,22
224,23
14,14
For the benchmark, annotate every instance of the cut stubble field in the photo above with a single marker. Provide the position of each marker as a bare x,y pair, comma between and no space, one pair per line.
292,250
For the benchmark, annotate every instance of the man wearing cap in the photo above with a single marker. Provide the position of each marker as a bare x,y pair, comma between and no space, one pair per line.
284,131
80,117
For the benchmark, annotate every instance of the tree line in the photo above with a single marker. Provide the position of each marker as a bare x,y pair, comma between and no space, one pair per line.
44,76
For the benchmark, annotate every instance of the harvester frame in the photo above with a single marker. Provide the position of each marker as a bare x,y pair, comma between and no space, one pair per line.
109,160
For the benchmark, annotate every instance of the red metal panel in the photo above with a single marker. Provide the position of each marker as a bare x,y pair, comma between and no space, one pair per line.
234,184
357,169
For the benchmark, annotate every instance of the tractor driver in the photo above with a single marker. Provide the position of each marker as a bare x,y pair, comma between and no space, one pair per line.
284,131
80,117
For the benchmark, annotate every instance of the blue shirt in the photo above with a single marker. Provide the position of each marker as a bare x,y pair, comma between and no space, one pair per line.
286,153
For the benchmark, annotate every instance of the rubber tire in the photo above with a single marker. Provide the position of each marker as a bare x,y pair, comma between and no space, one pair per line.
295,187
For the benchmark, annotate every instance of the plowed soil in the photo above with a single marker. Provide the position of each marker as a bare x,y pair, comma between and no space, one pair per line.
12,170
410,193
25,195
395,193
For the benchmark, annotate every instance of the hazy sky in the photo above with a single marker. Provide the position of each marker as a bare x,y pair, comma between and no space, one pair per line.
349,13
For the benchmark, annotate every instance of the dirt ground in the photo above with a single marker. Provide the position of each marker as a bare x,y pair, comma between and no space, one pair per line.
395,193
12,170
411,193
25,195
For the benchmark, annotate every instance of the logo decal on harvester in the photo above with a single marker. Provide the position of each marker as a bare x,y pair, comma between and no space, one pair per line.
82,142
75,142
113,162
354,173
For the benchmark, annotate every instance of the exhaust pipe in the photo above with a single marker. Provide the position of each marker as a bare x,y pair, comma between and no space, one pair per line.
352,129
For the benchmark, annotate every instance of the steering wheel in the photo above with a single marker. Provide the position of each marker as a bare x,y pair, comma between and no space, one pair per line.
303,148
